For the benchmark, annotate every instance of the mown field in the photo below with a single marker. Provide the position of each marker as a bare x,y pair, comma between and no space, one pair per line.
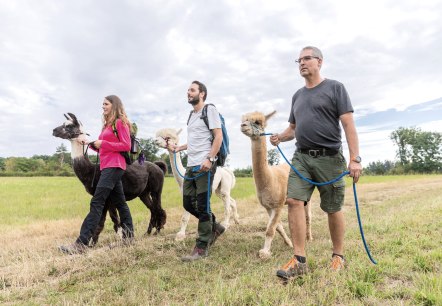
402,218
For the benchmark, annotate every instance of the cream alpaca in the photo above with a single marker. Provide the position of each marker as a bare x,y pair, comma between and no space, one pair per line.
270,181
223,182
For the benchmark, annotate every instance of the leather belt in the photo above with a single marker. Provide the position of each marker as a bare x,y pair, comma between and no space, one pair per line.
318,152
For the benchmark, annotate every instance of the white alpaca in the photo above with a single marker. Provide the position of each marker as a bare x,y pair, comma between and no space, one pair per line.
270,181
223,182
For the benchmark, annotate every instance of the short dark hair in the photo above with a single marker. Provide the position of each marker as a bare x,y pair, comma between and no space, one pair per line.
201,88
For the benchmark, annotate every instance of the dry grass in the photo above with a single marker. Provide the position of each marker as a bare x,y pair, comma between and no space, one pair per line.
402,222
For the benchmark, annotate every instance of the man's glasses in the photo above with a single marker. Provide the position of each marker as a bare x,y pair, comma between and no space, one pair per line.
305,59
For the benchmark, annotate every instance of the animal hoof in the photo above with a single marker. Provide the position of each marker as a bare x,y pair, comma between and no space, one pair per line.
180,237
264,254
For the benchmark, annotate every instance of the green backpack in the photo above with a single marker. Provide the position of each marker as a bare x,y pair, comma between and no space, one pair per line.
135,152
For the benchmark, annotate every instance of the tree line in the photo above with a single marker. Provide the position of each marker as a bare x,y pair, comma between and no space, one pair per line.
417,152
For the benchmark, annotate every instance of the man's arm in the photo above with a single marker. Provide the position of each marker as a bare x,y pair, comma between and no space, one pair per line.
353,145
286,135
176,148
216,145
217,141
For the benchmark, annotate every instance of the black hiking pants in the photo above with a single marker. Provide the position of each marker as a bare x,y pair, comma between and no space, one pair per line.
109,186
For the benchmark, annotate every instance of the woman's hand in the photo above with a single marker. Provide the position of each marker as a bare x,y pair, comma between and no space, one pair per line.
96,144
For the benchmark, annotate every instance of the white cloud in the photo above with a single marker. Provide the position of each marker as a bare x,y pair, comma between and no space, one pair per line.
66,56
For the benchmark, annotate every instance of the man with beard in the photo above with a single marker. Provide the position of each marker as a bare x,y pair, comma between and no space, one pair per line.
202,146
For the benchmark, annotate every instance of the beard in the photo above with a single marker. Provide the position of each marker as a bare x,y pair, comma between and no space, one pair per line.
194,101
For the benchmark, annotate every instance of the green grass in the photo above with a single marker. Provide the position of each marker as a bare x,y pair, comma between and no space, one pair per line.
402,218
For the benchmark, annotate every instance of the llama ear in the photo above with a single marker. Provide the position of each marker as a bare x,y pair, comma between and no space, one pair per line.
73,118
66,117
179,131
268,116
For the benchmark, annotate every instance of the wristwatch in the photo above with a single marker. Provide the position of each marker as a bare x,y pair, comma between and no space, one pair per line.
211,159
357,159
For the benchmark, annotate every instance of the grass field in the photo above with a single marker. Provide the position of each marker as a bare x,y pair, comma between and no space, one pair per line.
402,218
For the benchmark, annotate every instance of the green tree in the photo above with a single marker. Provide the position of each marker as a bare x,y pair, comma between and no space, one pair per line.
273,157
61,150
244,172
379,168
403,138
165,158
418,150
2,164
149,148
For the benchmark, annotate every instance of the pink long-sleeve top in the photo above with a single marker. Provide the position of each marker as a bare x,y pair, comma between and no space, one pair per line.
111,146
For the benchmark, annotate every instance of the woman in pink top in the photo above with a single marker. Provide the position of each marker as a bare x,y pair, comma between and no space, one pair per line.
112,166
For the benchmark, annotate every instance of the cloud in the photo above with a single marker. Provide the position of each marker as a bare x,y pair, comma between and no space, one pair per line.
59,57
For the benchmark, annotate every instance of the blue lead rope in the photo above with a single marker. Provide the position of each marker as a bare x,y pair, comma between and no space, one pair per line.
367,250
192,178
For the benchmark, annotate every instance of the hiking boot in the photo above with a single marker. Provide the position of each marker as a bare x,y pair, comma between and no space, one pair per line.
196,254
337,263
74,248
292,269
218,230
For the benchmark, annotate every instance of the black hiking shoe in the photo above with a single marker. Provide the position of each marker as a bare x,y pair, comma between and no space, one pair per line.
74,248
218,230
196,254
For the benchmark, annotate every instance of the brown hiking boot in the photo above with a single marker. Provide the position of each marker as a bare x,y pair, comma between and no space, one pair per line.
218,230
337,263
74,248
292,269
196,254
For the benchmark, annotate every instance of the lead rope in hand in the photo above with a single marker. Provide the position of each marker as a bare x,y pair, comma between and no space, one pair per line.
192,178
367,250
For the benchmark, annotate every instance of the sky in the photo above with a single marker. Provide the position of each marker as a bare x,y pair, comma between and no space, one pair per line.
66,56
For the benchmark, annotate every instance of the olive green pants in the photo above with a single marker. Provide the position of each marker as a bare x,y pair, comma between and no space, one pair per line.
196,202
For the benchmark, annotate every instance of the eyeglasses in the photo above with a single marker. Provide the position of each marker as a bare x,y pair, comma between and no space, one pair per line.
306,59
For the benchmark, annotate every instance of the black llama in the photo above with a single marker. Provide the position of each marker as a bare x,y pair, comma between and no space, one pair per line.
144,181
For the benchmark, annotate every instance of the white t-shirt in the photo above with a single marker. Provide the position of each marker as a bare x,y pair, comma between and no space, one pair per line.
199,137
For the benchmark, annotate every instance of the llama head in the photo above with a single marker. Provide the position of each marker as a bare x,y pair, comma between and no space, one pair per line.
253,124
165,137
70,129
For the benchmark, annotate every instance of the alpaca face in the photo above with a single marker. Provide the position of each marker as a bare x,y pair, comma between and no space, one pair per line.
70,129
164,137
253,124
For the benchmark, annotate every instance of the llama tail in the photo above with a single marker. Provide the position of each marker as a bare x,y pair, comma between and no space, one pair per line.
162,165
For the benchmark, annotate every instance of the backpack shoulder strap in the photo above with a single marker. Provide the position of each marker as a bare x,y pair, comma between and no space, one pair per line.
114,128
204,114
188,119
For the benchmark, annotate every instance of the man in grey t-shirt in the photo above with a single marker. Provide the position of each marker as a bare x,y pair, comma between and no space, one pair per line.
202,146
317,109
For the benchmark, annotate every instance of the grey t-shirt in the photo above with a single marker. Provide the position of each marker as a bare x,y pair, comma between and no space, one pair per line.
199,137
316,111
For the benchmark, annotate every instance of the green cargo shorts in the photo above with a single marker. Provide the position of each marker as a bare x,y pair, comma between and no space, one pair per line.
318,169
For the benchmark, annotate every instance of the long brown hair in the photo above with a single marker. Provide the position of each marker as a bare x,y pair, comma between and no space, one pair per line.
117,112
